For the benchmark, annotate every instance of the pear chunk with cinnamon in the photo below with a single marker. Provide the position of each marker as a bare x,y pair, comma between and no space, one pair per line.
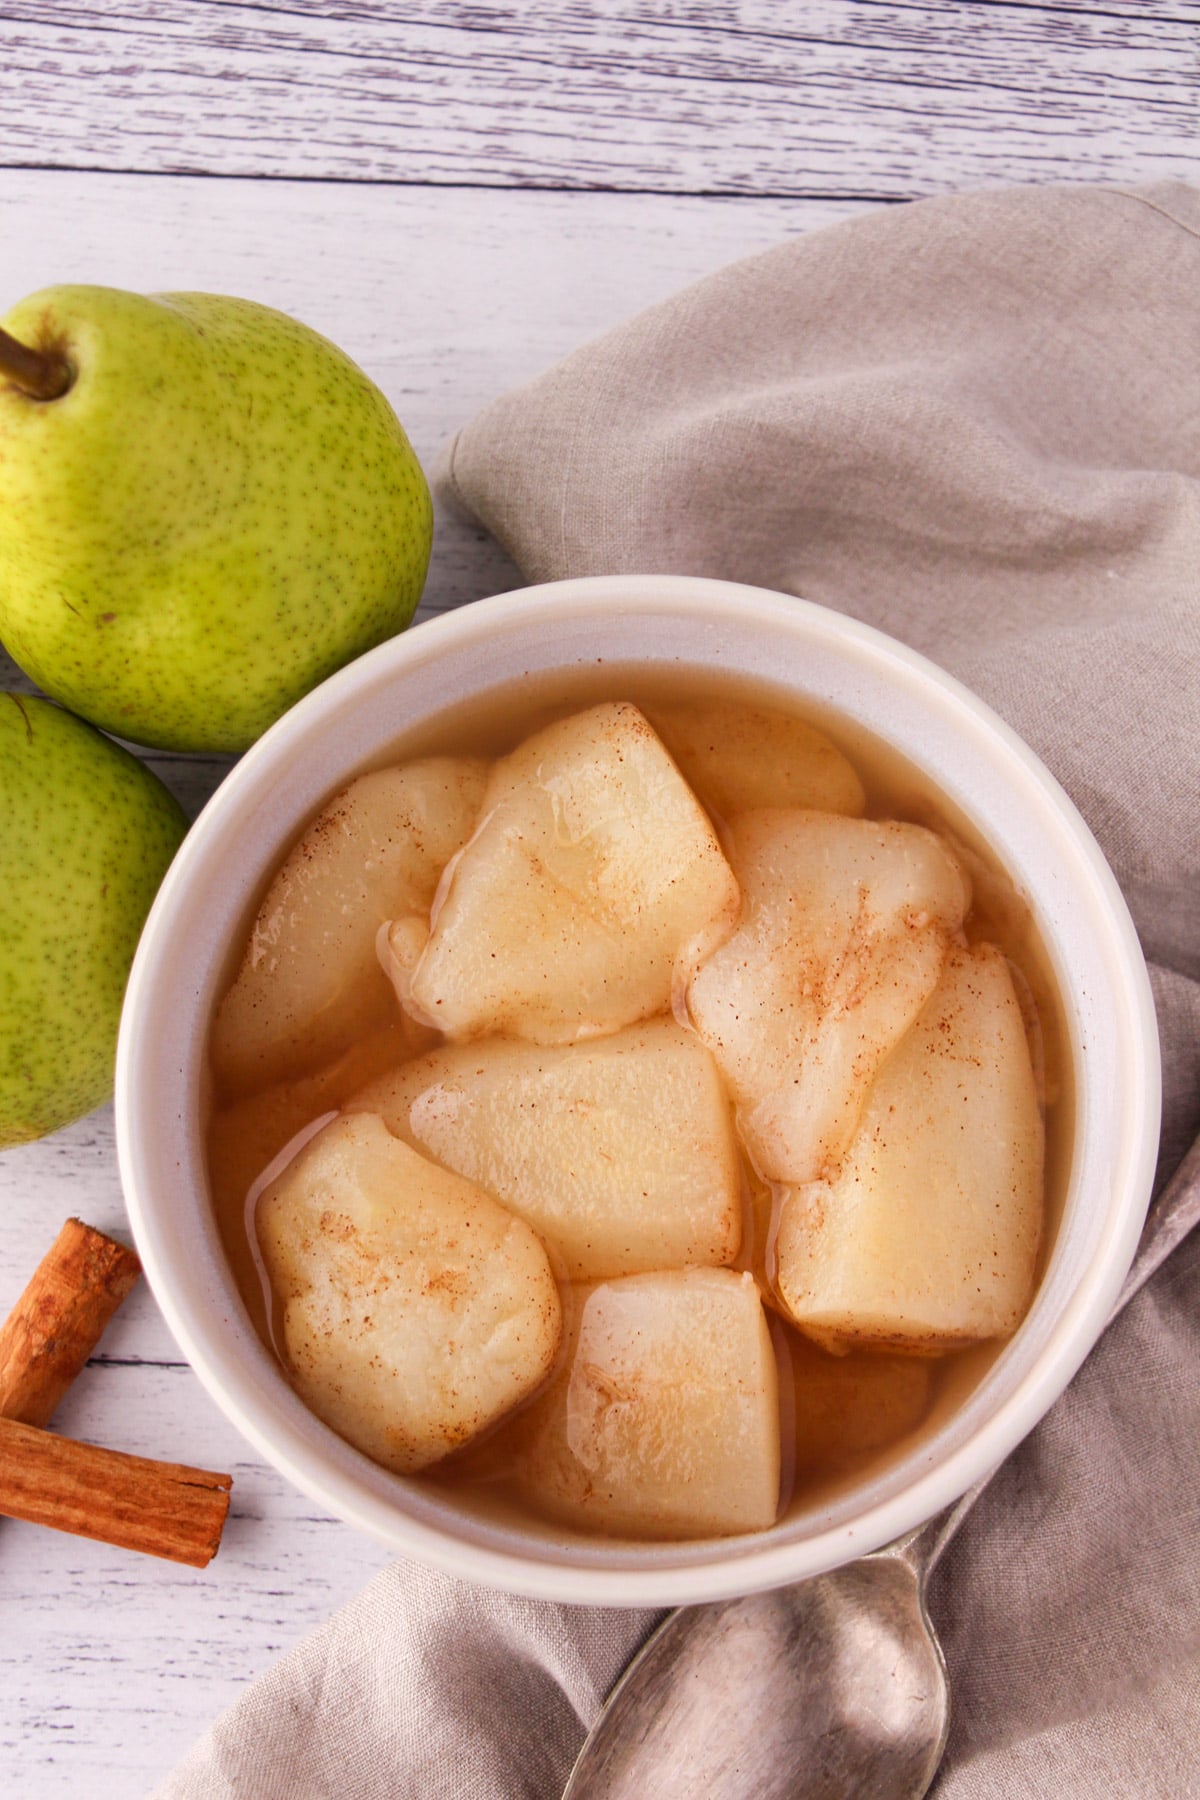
844,931
665,1420
415,1310
310,982
593,885
618,1151
928,1237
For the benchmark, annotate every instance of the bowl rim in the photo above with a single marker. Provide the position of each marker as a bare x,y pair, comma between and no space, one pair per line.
719,1568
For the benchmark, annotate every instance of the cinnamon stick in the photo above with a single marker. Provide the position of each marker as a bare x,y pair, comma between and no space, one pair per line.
58,1321
161,1509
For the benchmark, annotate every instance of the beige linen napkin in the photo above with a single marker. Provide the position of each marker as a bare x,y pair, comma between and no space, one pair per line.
975,423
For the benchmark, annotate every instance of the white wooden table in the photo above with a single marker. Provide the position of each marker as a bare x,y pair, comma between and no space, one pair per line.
458,196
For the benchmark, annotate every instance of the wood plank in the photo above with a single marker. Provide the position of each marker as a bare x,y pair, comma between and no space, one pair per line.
111,1664
841,97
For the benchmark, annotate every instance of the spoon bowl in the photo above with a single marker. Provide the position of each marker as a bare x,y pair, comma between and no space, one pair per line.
834,1687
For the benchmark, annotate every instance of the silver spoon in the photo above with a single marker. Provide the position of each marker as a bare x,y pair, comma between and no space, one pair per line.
834,1689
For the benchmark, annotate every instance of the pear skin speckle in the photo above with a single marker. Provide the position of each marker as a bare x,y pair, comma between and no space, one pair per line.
86,835
220,511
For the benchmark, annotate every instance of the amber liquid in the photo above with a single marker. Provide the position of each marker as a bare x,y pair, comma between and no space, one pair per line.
841,1416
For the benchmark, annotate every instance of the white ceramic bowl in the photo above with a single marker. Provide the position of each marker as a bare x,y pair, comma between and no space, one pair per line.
665,621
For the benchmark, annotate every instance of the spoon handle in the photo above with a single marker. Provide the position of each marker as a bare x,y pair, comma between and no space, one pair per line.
1168,1222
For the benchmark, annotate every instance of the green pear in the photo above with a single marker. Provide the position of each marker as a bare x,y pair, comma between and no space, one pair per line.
86,834
208,508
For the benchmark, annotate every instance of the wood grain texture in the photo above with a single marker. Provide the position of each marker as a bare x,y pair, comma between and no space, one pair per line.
414,236
112,1664
841,97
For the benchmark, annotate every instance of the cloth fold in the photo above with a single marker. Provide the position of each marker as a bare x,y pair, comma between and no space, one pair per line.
975,423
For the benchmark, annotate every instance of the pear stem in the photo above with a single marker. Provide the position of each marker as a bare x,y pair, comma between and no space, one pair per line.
40,374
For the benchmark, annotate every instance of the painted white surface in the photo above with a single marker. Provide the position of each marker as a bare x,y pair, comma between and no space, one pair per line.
417,241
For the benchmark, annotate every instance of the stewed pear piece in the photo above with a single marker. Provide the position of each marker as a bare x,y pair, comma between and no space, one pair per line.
927,1239
619,1151
415,1309
592,884
844,930
310,982
743,758
665,1420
